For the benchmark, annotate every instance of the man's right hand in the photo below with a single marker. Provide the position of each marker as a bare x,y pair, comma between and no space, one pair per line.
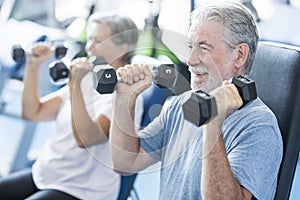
228,100
135,79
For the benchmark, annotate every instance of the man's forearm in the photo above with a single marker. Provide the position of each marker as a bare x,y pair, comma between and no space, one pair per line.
124,140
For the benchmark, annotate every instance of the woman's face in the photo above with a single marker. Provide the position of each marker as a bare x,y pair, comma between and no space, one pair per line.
100,43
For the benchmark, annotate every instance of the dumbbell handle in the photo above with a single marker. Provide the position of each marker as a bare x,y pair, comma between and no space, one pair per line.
153,69
105,77
18,52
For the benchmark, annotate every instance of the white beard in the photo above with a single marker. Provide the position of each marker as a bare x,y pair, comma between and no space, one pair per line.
209,85
211,78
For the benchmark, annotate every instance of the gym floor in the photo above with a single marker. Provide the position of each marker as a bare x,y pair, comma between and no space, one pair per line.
13,133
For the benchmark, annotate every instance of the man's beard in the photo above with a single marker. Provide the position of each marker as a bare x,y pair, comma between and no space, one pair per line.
211,83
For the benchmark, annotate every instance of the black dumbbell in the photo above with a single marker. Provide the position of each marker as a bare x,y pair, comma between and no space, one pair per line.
59,70
105,77
201,107
60,51
18,52
246,88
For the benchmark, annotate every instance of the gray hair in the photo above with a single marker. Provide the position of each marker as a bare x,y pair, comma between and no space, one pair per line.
123,30
238,22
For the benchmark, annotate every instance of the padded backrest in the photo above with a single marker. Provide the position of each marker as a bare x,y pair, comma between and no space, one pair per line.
126,186
276,72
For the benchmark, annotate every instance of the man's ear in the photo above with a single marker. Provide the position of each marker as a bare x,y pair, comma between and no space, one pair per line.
242,55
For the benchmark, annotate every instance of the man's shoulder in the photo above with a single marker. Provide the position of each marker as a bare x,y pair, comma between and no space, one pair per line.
258,109
253,115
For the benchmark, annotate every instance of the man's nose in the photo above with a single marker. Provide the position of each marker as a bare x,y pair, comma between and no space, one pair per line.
194,58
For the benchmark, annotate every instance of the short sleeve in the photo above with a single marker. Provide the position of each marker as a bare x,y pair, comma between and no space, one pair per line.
155,136
255,160
151,137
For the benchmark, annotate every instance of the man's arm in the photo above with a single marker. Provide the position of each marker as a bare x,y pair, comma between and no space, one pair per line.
87,132
218,181
127,154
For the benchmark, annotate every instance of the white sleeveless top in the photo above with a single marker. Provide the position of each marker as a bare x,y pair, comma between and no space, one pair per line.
85,173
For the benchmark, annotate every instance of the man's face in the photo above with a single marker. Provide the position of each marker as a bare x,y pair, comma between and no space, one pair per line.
210,61
100,43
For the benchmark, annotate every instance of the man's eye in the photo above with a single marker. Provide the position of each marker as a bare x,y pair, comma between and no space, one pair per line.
203,49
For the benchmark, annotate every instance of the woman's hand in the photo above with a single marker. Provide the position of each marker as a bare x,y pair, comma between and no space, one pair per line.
78,69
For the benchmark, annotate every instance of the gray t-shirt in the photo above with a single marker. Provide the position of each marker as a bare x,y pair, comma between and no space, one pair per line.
252,140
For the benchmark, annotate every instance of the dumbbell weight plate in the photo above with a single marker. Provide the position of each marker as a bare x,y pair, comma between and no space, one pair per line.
164,76
246,88
200,108
18,53
58,71
104,79
60,51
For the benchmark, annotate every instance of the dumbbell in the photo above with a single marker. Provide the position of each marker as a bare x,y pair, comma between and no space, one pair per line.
18,52
105,77
59,69
201,107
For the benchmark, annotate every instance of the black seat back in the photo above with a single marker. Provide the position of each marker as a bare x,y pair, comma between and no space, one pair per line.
276,71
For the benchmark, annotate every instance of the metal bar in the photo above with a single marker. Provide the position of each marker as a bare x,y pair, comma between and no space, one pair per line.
20,160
